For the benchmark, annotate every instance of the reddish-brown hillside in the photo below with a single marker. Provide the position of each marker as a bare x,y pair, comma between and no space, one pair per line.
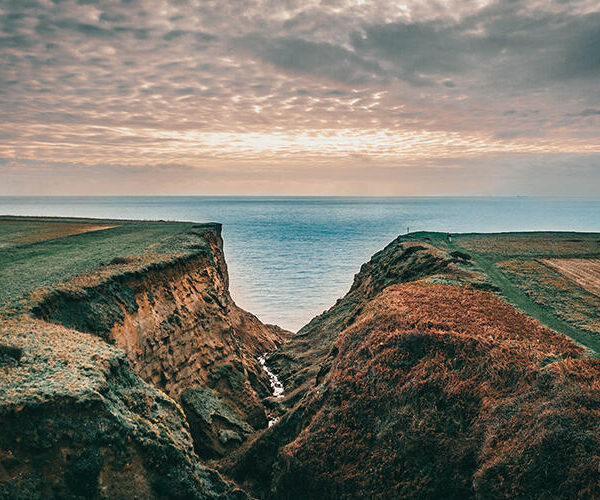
444,391
421,385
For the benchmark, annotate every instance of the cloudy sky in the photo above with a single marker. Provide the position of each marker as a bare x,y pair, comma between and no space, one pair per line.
300,97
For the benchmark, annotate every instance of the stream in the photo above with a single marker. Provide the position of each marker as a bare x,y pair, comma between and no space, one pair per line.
276,385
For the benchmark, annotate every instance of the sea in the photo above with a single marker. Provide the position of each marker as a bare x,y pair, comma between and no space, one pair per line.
290,258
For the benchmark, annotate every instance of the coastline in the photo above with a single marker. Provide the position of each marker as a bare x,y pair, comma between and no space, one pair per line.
136,321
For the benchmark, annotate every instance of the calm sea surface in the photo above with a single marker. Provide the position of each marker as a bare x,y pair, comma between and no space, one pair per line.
291,258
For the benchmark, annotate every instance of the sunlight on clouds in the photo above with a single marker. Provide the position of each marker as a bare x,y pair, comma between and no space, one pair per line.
137,146
375,143
200,83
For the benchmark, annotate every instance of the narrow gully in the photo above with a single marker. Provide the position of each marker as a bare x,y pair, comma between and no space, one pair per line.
276,385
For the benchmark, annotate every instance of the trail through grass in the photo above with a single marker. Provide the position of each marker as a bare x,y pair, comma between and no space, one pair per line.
512,293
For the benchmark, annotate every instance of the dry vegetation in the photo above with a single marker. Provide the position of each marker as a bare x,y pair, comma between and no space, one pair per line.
525,267
552,290
23,231
445,392
420,384
532,244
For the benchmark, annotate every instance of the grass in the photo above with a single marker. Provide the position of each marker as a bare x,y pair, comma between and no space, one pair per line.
18,231
443,391
500,246
40,252
536,297
44,262
552,290
548,316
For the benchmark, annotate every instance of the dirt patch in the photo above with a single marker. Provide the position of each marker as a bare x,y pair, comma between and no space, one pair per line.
24,232
583,272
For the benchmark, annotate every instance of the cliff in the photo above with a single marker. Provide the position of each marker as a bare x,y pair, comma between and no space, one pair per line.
182,332
299,361
78,422
126,370
423,382
93,369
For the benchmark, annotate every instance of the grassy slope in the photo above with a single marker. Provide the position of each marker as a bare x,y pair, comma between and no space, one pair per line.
30,266
545,245
443,391
413,389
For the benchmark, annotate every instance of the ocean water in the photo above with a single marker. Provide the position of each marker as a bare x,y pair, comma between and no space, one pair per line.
291,258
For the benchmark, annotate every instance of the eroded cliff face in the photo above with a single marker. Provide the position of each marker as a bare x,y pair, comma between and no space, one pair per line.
118,381
421,382
76,421
183,334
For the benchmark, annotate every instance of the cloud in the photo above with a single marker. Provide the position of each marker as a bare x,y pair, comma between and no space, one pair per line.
183,83
319,59
504,43
516,133
500,175
589,112
432,48
582,52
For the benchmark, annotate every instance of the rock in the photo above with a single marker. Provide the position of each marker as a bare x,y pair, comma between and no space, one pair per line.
227,436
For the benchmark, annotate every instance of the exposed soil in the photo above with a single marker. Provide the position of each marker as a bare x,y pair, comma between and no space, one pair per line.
583,272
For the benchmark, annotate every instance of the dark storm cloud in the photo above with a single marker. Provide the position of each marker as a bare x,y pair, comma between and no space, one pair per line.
416,47
589,112
532,47
582,57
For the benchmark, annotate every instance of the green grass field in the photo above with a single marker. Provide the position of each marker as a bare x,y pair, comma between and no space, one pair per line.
57,255
512,262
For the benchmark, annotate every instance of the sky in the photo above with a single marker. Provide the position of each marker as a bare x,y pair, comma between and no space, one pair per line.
300,97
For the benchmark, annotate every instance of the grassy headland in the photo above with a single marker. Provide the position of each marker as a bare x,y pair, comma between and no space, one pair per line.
516,264
38,252
425,381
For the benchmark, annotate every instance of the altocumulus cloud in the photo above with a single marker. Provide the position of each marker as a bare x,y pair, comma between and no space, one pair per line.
263,86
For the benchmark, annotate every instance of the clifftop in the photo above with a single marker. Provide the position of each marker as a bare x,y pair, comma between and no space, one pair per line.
129,309
424,381
446,370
